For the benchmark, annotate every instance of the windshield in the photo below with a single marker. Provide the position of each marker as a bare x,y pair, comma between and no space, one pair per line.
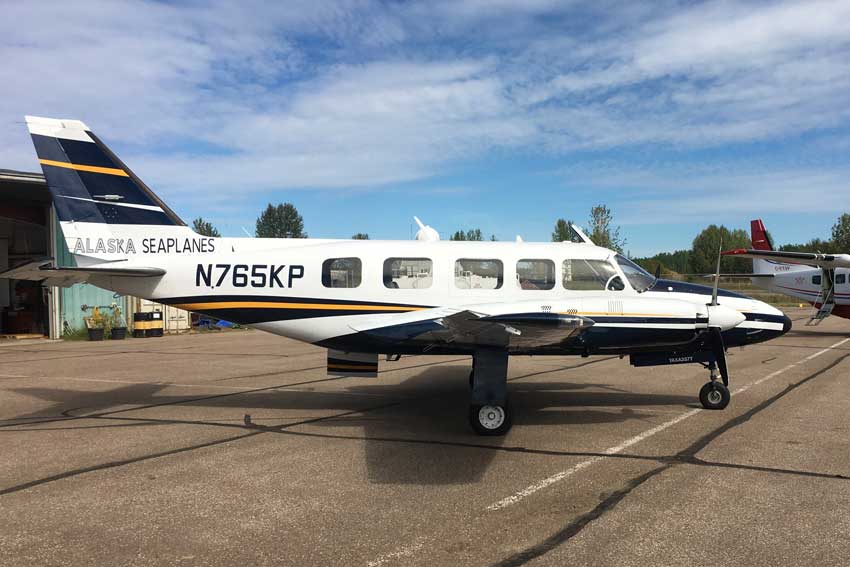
640,279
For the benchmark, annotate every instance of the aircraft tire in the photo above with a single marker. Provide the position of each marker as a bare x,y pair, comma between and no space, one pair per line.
492,420
714,396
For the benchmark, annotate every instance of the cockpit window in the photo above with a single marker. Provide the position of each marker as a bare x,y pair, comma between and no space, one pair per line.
586,275
640,279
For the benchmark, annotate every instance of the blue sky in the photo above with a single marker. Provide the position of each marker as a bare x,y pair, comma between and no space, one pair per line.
500,115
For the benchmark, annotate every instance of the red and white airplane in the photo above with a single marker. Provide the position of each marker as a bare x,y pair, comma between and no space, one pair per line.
822,280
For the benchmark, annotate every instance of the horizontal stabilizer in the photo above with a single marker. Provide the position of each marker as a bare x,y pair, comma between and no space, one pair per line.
44,270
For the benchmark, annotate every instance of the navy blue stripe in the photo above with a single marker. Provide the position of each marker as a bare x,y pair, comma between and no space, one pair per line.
71,151
640,320
279,299
764,317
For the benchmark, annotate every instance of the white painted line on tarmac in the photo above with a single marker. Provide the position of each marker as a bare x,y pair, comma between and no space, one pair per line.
405,551
559,476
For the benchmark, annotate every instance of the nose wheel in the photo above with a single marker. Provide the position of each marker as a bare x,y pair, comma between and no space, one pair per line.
714,395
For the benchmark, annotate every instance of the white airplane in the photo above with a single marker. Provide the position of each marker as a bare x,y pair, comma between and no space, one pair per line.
822,280
362,298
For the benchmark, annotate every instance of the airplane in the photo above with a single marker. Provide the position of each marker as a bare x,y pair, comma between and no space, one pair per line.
823,280
365,298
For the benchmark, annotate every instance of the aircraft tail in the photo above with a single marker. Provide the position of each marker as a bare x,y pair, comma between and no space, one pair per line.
101,204
761,241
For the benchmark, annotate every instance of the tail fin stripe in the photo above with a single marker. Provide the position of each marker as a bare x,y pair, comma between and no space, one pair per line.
91,168
127,205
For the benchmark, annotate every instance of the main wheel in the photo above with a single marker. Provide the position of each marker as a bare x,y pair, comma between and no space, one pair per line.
714,396
490,419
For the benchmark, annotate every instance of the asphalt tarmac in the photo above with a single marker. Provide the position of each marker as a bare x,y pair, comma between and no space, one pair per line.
139,453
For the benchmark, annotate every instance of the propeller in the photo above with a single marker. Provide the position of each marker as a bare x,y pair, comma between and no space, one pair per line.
658,271
715,332
717,275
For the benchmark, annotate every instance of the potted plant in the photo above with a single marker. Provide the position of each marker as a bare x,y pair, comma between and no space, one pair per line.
96,325
118,331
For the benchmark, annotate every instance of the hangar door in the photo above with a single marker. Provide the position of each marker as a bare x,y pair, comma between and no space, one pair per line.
24,237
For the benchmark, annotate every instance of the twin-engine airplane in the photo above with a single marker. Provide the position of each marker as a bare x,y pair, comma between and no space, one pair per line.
822,280
361,298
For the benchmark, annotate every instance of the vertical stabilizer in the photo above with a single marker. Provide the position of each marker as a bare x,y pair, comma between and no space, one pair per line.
761,241
100,203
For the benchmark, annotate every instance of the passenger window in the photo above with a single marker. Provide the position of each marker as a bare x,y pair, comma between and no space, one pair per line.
535,274
342,272
840,278
591,275
478,274
816,280
408,273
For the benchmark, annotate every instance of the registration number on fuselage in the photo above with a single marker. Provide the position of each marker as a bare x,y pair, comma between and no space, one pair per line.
247,275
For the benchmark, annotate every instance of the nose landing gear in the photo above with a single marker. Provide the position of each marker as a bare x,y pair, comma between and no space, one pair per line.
715,395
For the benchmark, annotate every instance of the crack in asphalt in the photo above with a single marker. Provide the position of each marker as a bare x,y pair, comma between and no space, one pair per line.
255,430
129,461
687,455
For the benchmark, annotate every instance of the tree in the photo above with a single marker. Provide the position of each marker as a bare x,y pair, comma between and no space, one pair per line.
707,245
282,221
563,231
360,236
841,235
813,245
602,233
474,234
204,228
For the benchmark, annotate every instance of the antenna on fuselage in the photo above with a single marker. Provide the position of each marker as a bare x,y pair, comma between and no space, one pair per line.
425,232
584,238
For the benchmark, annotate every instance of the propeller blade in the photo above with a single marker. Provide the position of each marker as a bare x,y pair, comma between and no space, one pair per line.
658,271
716,275
719,352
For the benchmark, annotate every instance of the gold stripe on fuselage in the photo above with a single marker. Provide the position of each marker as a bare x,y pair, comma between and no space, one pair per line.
279,305
607,314
89,168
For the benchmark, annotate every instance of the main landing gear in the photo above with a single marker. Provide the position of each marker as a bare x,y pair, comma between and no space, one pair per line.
489,408
715,395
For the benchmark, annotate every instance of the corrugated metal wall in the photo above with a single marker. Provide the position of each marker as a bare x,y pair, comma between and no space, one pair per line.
73,298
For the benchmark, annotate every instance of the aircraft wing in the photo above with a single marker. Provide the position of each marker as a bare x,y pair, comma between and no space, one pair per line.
44,270
460,326
804,258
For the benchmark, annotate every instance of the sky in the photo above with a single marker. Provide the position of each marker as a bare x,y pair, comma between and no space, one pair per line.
499,115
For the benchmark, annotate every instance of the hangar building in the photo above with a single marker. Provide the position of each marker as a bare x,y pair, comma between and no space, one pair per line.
29,231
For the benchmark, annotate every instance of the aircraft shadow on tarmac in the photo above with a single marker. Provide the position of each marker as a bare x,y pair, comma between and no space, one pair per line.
413,432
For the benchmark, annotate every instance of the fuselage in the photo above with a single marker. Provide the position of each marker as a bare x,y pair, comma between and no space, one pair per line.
331,292
806,284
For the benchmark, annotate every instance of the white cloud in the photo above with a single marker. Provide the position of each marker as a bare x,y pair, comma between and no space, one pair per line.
363,94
